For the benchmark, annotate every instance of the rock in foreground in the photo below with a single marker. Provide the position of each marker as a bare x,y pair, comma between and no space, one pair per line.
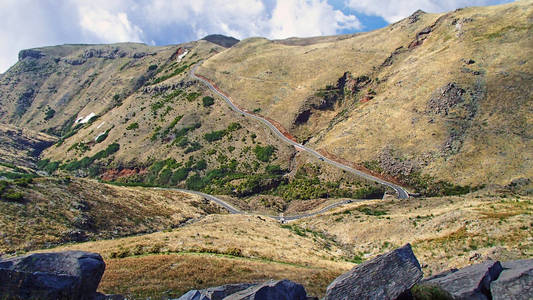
515,282
61,275
472,282
270,290
385,277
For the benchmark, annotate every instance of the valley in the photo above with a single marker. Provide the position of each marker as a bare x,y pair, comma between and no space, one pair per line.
222,161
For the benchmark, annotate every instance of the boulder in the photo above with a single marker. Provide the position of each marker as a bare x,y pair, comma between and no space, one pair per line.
215,293
61,275
272,290
515,282
472,282
387,276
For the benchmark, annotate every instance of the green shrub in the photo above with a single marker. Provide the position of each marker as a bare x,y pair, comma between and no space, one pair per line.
274,169
371,212
264,153
234,126
133,126
3,186
208,101
195,183
194,146
49,114
200,165
165,176
214,135
24,182
179,175
152,67
192,96
14,196
102,137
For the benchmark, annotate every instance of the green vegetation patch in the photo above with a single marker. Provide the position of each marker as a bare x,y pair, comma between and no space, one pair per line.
264,153
208,101
87,161
133,126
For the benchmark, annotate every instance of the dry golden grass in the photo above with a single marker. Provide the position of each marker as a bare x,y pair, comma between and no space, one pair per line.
445,232
54,210
216,250
171,275
251,236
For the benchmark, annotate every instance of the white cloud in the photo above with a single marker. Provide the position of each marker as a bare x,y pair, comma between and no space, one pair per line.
304,18
238,18
394,10
104,25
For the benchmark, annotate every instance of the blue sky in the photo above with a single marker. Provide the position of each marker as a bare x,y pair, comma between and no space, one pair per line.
34,23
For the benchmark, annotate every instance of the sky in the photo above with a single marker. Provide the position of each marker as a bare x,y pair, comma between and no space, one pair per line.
35,23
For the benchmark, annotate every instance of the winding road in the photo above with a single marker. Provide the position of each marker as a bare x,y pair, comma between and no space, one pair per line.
233,210
400,191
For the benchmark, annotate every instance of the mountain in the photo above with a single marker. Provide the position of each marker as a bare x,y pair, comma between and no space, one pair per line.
434,97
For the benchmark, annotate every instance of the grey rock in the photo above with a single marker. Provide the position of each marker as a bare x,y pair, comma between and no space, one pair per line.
272,290
32,53
60,275
445,98
194,295
385,277
472,282
215,293
515,282
221,292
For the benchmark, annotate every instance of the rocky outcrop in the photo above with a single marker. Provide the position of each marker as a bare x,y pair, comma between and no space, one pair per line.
472,282
32,53
394,166
385,277
61,275
415,16
221,40
445,98
270,290
515,281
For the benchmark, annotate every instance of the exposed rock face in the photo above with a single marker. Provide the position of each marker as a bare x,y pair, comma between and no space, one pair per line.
394,166
61,275
16,142
385,277
221,40
445,98
472,282
32,53
515,281
416,16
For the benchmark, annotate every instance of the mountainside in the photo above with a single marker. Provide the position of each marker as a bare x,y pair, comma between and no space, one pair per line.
155,125
446,95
